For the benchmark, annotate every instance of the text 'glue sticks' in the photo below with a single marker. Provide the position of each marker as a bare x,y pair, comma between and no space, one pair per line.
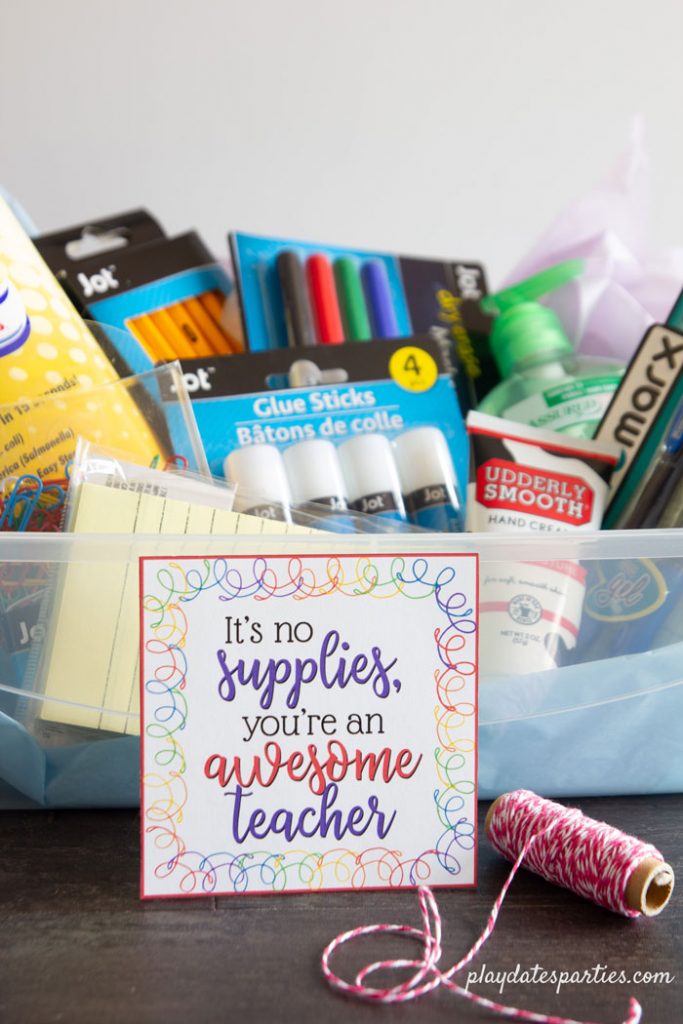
428,480
262,487
371,476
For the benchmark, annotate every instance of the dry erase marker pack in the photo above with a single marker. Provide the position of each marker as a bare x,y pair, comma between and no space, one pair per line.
372,428
299,295
170,296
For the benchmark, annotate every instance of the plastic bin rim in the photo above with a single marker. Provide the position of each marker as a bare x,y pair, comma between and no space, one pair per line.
616,544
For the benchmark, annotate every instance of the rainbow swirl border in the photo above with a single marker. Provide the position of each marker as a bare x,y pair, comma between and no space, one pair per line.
263,578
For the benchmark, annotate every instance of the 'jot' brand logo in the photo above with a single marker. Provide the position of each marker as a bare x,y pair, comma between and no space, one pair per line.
100,283
469,282
199,381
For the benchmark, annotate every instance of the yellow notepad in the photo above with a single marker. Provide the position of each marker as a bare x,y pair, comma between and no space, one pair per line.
91,660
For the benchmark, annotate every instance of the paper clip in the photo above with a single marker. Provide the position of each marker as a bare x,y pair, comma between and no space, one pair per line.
14,516
176,462
47,517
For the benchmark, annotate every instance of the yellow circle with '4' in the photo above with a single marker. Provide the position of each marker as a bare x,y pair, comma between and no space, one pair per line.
413,369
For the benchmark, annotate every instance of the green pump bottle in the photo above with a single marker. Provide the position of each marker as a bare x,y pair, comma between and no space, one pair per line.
545,383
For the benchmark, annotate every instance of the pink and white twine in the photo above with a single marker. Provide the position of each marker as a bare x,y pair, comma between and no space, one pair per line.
560,844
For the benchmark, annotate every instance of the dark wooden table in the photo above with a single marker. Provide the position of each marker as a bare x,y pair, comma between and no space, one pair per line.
77,945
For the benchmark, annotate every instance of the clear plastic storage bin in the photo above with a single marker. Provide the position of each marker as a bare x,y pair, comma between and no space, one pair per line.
607,719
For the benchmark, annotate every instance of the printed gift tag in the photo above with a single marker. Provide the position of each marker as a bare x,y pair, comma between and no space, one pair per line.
308,722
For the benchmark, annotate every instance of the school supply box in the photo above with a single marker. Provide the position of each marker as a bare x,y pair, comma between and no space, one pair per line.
593,715
607,723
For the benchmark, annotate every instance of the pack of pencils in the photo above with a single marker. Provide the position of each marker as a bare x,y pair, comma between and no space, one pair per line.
169,294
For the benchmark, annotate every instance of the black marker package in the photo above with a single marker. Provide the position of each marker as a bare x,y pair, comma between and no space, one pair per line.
305,295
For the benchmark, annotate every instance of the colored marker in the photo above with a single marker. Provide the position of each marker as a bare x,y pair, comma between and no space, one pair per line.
298,313
262,487
428,480
380,304
324,300
372,481
351,299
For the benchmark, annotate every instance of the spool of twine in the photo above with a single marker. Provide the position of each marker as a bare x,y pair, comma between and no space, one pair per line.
558,843
589,857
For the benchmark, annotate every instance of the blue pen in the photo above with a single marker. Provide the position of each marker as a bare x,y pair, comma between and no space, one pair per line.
379,300
661,482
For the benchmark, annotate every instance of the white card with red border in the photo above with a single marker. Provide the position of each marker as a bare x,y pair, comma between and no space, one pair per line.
308,722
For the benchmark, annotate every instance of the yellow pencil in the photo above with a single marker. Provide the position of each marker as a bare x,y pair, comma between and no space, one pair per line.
178,341
191,329
213,304
146,331
215,335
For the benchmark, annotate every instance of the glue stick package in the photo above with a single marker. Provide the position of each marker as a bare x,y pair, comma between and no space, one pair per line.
373,429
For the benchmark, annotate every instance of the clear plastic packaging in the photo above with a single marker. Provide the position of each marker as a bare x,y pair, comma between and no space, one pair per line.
146,416
609,722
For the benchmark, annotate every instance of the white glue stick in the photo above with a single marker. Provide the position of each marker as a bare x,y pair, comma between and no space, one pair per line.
428,480
262,487
371,476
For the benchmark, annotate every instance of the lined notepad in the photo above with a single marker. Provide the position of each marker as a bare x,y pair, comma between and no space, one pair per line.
91,661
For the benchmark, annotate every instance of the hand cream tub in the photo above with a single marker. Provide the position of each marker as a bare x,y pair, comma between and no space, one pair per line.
523,480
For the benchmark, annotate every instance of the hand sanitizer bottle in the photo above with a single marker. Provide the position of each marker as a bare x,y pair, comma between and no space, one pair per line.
545,383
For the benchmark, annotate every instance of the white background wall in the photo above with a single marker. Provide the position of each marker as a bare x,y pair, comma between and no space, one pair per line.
438,127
